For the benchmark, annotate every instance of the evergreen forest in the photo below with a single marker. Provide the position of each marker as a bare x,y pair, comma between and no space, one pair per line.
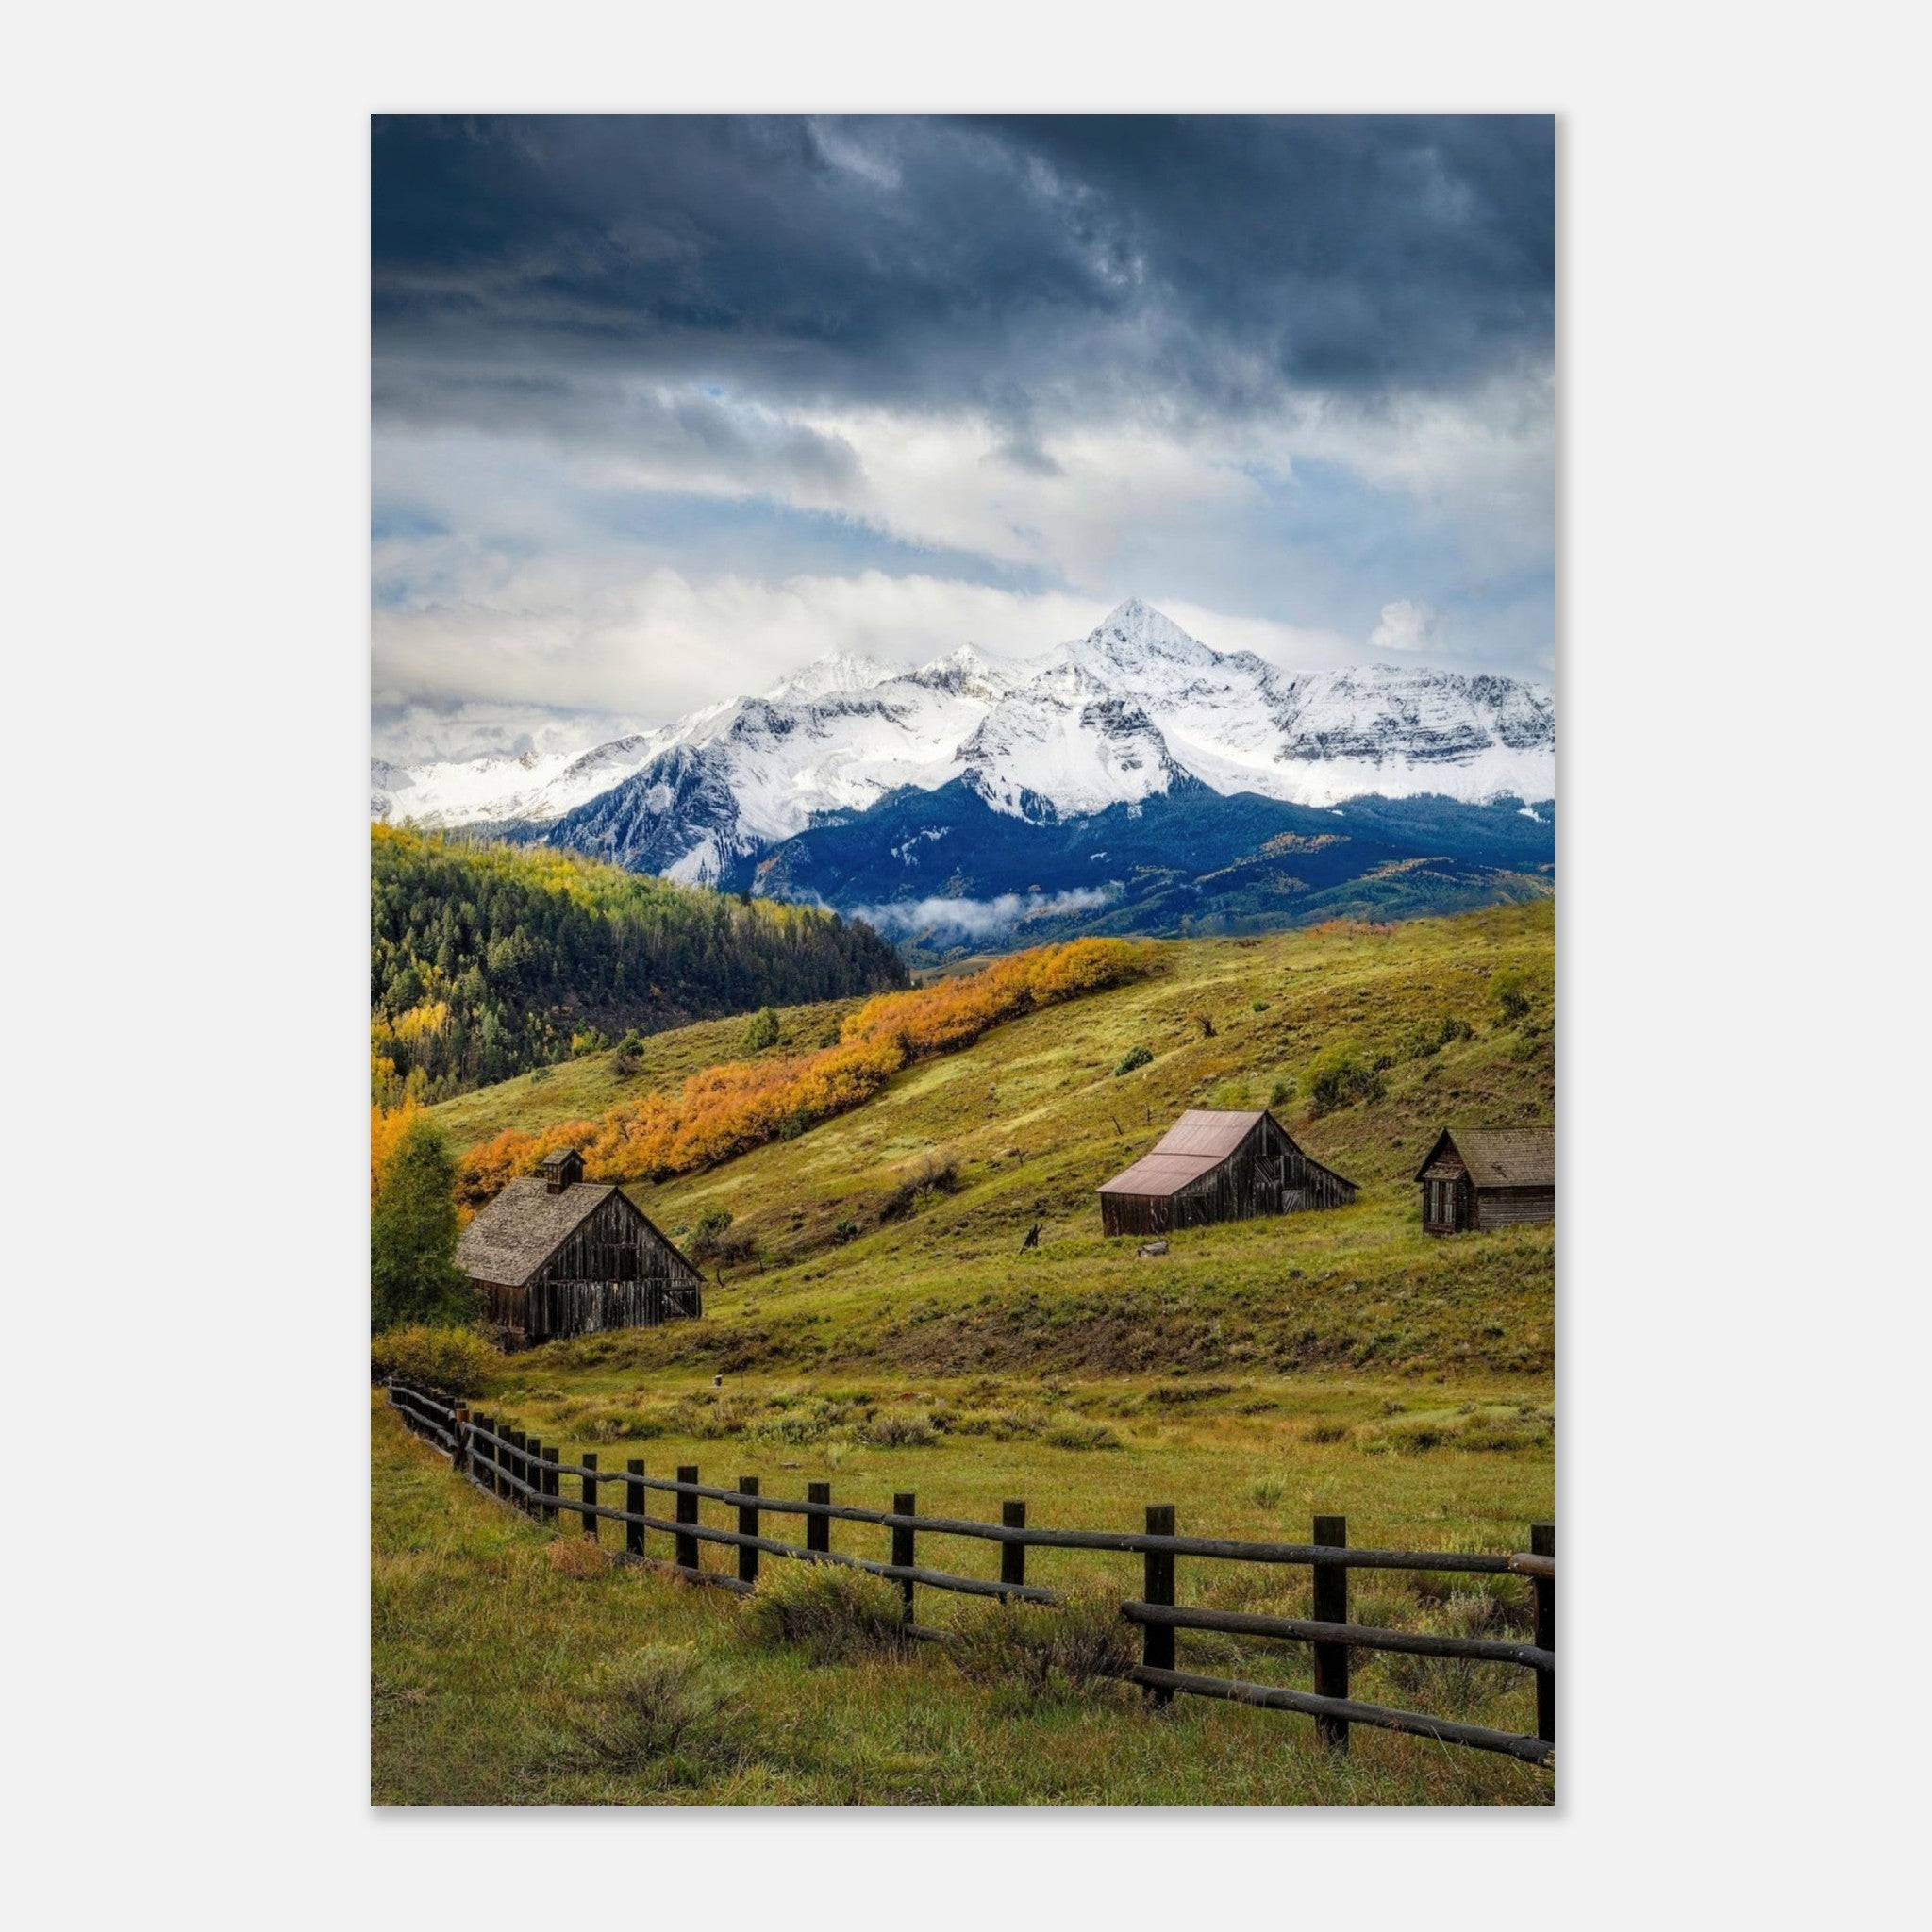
489,960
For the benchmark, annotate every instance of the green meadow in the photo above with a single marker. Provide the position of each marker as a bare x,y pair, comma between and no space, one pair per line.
495,1644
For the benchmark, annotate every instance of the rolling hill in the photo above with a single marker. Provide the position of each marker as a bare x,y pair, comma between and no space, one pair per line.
890,1237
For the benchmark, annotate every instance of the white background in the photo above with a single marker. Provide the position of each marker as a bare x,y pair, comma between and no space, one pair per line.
1744,888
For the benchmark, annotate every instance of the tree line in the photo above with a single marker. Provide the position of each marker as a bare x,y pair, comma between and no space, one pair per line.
486,960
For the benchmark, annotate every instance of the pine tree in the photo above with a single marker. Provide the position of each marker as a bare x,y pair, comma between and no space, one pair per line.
413,1238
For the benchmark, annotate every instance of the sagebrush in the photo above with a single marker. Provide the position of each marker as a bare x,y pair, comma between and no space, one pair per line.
1041,1651
829,1610
655,1706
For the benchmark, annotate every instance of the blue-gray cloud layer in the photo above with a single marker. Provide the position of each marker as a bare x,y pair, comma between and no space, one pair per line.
930,261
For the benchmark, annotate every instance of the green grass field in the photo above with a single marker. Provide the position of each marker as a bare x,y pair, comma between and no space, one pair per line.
490,1638
1258,1373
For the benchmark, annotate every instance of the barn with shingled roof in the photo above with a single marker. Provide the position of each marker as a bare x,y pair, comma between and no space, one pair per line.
554,1254
1218,1165
1482,1177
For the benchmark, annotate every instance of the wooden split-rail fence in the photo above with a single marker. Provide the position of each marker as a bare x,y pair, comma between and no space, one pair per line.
520,1470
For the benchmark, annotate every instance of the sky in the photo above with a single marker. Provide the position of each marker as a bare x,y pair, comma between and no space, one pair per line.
663,408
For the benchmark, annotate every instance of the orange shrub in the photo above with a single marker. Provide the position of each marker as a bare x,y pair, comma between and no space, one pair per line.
728,1110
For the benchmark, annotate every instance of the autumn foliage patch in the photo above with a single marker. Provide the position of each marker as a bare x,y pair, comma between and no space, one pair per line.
728,1110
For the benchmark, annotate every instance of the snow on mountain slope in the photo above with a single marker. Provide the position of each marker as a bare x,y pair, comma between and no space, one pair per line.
1108,719
965,673
535,788
1067,743
838,671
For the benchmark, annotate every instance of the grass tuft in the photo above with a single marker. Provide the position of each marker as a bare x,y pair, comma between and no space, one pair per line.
1077,1433
1042,1653
657,1704
576,1557
832,1612
897,1432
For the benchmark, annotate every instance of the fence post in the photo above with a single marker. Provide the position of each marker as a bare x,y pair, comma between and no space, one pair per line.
460,1430
1331,1606
1013,1556
747,1526
903,1558
634,1493
1157,1587
550,1461
686,1512
519,1470
590,1483
818,1529
1542,1542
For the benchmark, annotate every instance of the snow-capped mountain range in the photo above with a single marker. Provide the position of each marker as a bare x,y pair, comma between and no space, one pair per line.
1134,707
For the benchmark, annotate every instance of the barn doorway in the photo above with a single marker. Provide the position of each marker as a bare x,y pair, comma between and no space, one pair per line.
1445,1206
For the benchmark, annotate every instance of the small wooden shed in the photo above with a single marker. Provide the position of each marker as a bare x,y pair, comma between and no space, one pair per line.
1218,1165
1483,1177
556,1255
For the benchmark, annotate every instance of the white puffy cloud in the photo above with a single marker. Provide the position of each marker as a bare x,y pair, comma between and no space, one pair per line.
977,917
1405,626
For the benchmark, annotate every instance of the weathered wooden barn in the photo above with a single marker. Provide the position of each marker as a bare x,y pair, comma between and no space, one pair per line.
1213,1165
1482,1177
556,1255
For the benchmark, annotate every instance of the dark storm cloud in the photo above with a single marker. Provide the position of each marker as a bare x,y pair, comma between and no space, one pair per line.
610,418
1041,270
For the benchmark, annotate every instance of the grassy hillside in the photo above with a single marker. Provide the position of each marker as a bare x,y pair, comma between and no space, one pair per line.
855,1265
592,1084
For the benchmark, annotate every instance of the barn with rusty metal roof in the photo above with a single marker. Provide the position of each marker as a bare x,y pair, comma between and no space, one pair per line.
1218,1165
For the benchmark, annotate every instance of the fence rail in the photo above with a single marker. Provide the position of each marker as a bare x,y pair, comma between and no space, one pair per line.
525,1472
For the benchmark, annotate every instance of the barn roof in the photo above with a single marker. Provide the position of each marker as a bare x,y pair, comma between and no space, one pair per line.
1211,1130
1160,1174
1197,1143
1501,1156
524,1225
